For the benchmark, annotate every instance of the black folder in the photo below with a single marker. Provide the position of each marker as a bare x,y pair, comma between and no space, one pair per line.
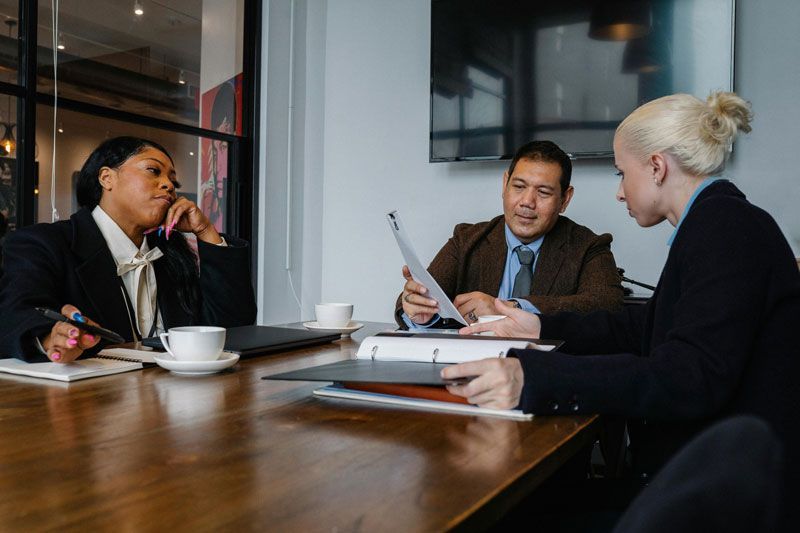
250,341
392,372
368,371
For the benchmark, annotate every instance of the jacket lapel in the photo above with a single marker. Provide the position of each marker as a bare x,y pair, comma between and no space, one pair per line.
97,274
172,314
493,264
551,256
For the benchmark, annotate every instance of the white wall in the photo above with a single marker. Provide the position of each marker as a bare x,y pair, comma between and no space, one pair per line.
768,74
366,148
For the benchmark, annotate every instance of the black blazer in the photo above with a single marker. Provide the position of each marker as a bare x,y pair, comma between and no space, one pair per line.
718,337
49,265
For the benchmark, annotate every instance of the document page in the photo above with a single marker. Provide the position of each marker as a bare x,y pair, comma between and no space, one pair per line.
418,270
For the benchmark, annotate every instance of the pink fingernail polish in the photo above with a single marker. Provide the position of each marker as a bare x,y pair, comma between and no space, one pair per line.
72,342
73,332
89,337
55,356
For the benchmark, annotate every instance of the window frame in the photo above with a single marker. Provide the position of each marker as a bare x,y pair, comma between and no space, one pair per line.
243,151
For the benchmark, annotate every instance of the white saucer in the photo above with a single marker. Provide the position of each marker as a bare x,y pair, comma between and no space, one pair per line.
345,331
196,368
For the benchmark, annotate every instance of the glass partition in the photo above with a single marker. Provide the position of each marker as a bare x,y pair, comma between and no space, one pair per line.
203,177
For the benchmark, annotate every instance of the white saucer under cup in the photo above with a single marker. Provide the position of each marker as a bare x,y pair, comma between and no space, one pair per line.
196,368
344,331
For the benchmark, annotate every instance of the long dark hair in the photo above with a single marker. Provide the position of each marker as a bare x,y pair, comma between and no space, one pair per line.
180,260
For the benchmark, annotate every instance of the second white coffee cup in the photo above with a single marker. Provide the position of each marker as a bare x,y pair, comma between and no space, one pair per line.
333,315
194,343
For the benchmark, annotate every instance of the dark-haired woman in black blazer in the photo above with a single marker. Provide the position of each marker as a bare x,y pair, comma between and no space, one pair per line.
121,261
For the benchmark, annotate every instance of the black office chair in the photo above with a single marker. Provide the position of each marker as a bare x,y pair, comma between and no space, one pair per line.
729,478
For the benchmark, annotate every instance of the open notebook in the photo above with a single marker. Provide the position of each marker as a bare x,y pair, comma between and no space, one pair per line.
80,369
112,360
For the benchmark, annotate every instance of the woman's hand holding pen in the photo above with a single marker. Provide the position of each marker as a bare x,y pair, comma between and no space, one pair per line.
65,342
517,323
184,216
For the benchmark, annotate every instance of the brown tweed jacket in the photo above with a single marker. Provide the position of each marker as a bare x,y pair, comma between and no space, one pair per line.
575,270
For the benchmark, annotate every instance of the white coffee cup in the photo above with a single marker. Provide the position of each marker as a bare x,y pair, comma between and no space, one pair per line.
489,318
194,343
333,315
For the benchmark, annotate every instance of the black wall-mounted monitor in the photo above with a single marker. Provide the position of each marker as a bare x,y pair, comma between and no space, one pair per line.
504,72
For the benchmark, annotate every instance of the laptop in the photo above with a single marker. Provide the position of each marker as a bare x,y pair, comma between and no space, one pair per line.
250,341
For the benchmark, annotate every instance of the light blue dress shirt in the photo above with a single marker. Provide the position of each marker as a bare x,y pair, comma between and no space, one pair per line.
700,188
509,274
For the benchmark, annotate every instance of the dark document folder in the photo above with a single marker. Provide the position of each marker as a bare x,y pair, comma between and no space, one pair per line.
369,371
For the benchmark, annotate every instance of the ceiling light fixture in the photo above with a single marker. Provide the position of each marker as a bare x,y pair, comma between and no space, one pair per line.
138,10
61,44
620,20
8,143
182,77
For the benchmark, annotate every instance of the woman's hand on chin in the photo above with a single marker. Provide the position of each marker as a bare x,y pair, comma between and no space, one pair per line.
184,216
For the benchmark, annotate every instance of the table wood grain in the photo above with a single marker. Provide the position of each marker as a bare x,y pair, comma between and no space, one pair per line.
154,451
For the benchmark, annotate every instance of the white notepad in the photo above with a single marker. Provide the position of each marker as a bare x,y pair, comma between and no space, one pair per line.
334,391
80,369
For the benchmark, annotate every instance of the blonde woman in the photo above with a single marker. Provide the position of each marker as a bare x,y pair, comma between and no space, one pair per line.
719,335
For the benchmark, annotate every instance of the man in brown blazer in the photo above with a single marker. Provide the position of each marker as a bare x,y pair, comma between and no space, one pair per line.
531,257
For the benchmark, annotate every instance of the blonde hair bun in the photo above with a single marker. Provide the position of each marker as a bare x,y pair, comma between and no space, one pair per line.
727,114
698,134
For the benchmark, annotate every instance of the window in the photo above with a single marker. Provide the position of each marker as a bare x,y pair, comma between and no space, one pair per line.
178,72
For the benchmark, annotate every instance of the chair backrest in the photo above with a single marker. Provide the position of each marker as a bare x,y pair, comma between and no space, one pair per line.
716,483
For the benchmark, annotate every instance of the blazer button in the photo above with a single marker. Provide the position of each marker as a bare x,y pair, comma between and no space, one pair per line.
554,405
575,407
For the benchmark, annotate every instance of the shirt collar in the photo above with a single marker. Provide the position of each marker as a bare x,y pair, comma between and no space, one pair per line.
700,188
120,245
512,242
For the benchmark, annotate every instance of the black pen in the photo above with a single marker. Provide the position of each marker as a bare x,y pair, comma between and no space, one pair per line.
96,330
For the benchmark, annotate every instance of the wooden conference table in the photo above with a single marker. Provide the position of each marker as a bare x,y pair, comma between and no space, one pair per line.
149,450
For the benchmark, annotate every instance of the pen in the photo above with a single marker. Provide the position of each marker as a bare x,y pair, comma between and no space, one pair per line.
96,330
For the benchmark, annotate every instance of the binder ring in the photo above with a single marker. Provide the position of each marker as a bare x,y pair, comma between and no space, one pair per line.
374,351
435,354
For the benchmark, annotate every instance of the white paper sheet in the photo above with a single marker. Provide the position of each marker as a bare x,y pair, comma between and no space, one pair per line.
418,270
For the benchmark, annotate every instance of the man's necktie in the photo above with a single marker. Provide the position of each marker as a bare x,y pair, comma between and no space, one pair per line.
522,283
142,303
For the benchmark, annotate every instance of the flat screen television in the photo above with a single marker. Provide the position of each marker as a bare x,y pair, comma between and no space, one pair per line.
504,72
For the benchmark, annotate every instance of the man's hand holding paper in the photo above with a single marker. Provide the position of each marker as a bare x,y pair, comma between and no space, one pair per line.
419,308
421,276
